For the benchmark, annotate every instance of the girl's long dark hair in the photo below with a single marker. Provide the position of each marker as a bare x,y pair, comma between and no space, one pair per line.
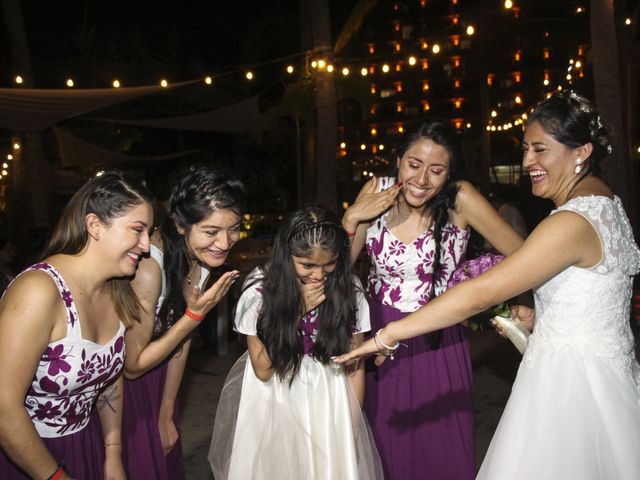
107,196
443,134
303,232
196,195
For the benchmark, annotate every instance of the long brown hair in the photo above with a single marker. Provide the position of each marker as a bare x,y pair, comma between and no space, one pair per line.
108,196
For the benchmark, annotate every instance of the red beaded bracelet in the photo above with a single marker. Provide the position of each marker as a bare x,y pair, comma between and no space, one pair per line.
193,315
57,475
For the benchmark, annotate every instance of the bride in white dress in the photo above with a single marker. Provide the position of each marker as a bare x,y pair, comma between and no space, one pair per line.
574,411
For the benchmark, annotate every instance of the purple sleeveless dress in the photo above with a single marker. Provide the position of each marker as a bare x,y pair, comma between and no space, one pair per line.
142,448
71,374
420,404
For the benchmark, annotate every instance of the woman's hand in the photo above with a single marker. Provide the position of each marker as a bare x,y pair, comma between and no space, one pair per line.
525,314
365,349
370,203
168,433
313,295
202,303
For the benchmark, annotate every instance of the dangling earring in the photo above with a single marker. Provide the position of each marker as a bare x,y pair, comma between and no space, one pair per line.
578,168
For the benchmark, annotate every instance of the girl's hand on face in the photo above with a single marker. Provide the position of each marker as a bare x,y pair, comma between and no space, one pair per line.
312,295
370,204
202,303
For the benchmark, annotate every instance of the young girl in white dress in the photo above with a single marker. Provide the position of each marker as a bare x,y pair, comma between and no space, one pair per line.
289,412
574,410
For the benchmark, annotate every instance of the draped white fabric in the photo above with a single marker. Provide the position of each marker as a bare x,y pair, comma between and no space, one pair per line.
312,430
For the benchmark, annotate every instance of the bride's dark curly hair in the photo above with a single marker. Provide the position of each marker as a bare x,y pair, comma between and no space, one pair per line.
573,120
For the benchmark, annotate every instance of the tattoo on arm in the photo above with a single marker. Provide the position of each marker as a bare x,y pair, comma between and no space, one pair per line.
110,394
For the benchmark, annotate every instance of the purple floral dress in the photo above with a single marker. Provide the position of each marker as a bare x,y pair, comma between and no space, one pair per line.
419,405
71,374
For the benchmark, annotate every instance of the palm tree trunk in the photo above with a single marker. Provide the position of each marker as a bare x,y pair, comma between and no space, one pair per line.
617,168
326,113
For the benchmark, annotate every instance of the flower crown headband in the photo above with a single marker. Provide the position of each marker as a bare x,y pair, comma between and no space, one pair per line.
586,108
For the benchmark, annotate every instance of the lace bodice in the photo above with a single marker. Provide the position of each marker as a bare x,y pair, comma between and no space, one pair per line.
588,308
401,274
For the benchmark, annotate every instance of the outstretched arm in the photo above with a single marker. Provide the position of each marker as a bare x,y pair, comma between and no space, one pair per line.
143,354
474,210
356,372
560,241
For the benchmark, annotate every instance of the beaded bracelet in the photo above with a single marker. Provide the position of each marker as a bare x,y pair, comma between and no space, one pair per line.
385,350
193,315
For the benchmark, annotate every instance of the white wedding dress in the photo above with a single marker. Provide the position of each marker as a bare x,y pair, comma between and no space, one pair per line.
574,411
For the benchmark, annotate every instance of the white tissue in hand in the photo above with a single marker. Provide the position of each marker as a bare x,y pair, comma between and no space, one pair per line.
514,330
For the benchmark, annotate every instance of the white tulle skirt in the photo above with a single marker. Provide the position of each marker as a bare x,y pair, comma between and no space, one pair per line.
571,415
312,429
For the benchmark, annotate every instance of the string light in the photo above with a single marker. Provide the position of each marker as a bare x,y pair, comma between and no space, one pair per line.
364,71
164,83
385,68
330,68
249,75
70,82
19,80
290,69
470,30
436,48
345,71
208,80
412,61
508,4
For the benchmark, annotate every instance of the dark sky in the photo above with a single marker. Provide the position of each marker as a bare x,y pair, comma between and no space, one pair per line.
147,39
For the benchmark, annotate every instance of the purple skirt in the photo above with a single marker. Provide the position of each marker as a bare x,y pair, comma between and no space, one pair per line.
82,454
420,405
142,450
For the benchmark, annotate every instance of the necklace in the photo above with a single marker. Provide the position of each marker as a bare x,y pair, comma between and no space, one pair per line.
191,272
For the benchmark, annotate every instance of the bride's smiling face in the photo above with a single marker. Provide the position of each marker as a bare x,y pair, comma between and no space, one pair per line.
551,164
423,170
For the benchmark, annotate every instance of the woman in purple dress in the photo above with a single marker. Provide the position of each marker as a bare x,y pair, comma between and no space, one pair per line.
415,228
203,224
62,324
